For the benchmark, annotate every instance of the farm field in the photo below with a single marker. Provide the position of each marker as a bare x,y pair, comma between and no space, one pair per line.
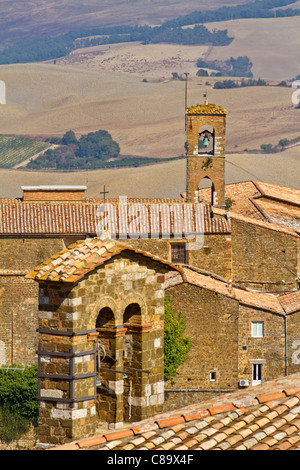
16,150
128,90
145,118
271,44
161,180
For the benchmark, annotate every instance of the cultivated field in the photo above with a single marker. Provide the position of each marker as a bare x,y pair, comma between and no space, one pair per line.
271,44
146,118
161,180
17,150
128,90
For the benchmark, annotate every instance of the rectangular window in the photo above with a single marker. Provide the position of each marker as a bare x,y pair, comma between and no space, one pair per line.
212,376
256,374
257,329
178,253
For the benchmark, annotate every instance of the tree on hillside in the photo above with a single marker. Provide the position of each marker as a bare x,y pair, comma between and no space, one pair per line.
98,145
69,138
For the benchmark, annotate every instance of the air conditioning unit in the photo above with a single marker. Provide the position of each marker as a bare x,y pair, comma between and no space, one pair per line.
244,383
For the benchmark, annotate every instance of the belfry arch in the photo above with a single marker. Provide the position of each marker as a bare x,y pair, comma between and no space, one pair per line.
206,140
207,183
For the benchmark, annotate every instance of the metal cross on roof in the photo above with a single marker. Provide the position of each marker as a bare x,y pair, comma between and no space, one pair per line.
104,193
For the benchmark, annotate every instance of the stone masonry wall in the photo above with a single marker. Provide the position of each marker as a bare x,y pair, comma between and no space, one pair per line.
293,343
211,326
263,259
19,296
197,168
268,350
122,281
214,256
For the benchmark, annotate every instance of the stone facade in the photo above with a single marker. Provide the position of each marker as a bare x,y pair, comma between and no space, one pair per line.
227,352
99,344
116,309
264,258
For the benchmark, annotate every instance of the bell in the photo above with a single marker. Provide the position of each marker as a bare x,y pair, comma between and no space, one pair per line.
206,141
98,382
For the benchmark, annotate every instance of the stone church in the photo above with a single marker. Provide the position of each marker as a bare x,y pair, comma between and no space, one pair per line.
83,282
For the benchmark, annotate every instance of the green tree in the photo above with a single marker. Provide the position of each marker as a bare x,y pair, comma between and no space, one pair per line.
99,145
69,138
176,346
266,147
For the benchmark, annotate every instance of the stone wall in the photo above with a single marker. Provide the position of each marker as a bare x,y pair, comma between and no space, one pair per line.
211,326
19,296
293,342
263,258
214,256
198,165
268,350
132,386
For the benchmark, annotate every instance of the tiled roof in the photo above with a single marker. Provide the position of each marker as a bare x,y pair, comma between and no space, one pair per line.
263,202
78,259
264,417
290,302
281,304
209,108
33,218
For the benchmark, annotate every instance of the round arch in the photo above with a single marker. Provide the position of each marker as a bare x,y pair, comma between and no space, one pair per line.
206,139
137,300
104,303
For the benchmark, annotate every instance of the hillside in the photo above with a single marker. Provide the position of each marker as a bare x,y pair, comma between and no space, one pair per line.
40,18
162,180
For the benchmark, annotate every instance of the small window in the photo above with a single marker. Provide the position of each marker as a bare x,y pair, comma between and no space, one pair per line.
213,376
257,329
178,253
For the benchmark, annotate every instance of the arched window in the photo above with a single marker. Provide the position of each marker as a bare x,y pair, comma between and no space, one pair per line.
105,318
206,140
132,313
209,196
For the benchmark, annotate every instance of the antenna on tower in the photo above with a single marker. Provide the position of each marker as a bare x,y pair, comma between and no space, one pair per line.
185,104
205,97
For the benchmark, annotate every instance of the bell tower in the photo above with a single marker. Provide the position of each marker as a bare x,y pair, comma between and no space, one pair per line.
206,125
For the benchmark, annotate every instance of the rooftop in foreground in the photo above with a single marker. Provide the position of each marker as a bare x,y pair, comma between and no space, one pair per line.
264,417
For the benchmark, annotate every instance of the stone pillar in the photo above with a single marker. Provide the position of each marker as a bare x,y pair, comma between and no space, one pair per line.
66,368
144,391
66,374
111,373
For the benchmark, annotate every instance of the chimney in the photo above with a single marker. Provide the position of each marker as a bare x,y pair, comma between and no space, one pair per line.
54,193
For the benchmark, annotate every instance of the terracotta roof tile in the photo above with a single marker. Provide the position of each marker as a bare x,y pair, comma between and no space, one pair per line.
74,263
248,297
264,202
256,427
69,217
